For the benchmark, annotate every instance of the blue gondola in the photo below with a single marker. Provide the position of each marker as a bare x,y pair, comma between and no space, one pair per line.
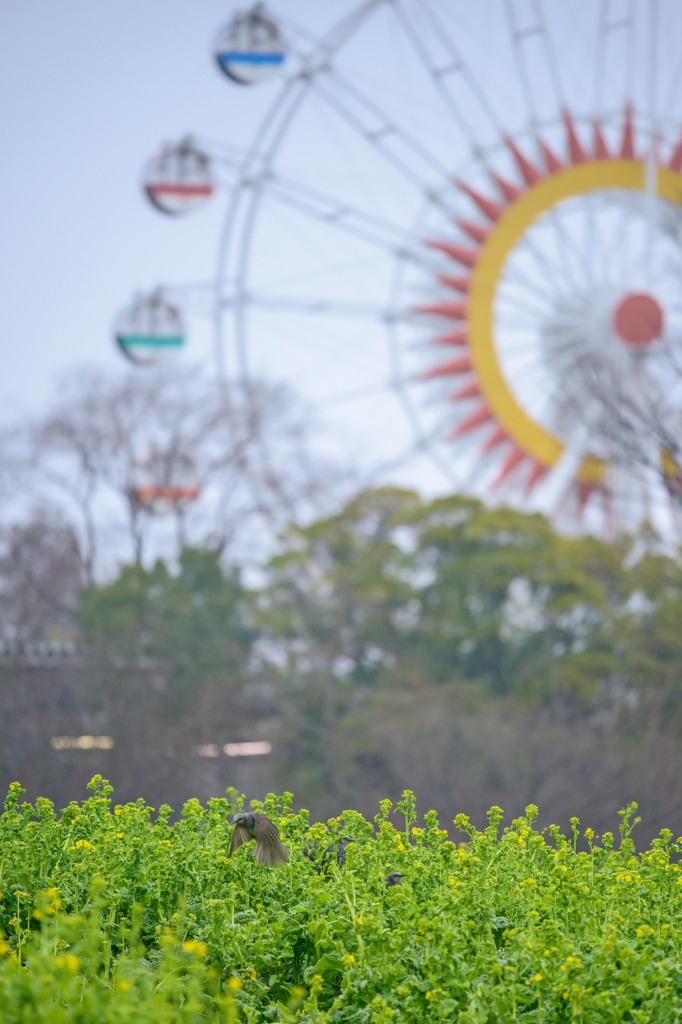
251,47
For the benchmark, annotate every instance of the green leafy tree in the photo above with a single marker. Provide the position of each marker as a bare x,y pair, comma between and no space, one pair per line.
334,606
187,631
511,604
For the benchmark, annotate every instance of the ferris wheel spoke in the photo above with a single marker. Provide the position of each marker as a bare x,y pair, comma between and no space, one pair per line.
347,218
590,241
318,307
451,68
558,379
517,336
517,287
675,86
574,261
523,35
558,384
383,133
608,238
347,27
524,362
527,64
615,50
514,277
371,390
638,252
545,265
517,342
619,248
508,301
424,442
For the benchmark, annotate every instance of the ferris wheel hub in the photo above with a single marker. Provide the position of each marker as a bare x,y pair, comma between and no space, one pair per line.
638,320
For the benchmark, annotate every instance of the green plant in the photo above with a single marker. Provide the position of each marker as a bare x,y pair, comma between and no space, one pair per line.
115,913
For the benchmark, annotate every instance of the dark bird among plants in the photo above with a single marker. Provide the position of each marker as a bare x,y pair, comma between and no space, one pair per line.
340,850
269,849
324,860
395,878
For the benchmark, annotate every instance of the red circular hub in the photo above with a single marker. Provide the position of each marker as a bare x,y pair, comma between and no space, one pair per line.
638,320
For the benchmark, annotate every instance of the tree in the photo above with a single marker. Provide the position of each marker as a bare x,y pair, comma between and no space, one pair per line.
170,458
186,630
630,403
508,603
331,609
40,580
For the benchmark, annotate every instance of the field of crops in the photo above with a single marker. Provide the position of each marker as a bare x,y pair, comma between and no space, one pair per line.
120,913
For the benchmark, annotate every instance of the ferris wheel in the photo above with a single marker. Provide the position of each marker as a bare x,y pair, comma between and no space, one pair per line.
457,232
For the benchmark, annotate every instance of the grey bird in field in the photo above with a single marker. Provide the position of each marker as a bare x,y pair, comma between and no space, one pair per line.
395,878
340,850
324,860
269,849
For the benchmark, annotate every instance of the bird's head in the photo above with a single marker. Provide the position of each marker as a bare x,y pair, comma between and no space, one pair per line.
245,820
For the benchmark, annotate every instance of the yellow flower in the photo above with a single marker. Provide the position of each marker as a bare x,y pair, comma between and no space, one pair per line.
349,959
234,984
68,960
123,985
195,947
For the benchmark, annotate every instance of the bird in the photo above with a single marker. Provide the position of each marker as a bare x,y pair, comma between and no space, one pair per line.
324,861
311,850
395,878
340,850
268,849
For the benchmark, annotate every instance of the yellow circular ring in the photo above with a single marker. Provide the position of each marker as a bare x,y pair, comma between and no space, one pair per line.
538,442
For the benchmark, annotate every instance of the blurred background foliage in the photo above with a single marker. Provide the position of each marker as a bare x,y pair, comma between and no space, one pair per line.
383,641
